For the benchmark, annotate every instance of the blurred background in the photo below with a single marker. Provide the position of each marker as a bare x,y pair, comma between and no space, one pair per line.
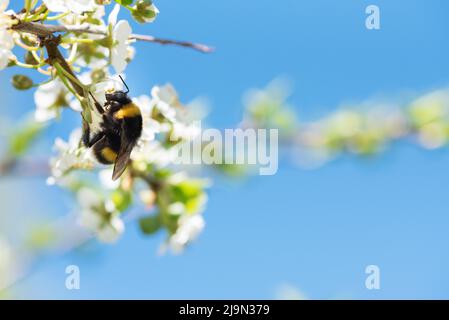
300,233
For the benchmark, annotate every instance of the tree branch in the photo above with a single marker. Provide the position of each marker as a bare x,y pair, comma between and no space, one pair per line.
195,46
51,43
44,30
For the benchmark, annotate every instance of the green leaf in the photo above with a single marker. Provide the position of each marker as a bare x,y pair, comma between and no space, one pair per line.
187,189
41,237
150,224
121,199
21,140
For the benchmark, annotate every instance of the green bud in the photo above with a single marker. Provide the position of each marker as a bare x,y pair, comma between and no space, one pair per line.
98,75
121,199
21,82
11,63
28,40
144,11
30,59
150,224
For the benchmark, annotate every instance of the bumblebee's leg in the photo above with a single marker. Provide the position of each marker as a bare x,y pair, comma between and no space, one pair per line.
114,106
97,104
97,137
86,134
87,140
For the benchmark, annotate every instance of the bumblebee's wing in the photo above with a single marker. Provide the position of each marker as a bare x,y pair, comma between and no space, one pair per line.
122,161
122,158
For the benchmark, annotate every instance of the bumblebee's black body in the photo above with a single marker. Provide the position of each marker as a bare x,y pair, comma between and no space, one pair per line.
121,127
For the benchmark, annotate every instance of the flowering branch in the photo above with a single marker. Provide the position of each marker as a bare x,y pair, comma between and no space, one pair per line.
44,30
172,201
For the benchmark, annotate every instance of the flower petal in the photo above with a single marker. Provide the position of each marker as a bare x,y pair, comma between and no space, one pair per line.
112,19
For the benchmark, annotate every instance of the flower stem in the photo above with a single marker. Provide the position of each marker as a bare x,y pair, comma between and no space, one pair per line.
58,16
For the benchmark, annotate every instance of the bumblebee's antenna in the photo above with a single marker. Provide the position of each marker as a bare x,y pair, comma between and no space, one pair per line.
124,83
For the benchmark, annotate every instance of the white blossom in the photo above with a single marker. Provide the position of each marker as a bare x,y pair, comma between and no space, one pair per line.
189,227
49,97
153,152
88,201
112,18
150,127
185,131
165,99
70,156
120,34
75,6
107,225
119,52
105,177
6,38
112,230
94,61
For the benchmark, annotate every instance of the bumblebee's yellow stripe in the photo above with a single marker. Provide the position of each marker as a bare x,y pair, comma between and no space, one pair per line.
108,154
127,111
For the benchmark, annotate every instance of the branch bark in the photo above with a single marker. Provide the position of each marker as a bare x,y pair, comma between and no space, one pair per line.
51,43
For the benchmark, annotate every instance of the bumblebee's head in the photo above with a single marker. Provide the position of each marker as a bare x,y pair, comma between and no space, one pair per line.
119,96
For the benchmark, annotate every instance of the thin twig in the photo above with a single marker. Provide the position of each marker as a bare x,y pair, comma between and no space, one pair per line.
195,46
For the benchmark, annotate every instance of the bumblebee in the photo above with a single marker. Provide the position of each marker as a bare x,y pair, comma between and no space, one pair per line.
119,129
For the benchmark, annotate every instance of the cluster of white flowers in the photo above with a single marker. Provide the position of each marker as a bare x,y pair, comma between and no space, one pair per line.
162,114
6,37
190,223
71,155
189,227
75,6
101,217
49,99
121,50
115,50
97,56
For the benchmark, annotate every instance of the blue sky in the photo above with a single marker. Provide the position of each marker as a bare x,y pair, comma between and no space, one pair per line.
316,230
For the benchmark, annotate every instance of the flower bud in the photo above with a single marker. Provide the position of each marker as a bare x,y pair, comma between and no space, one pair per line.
98,75
21,82
144,11
30,59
